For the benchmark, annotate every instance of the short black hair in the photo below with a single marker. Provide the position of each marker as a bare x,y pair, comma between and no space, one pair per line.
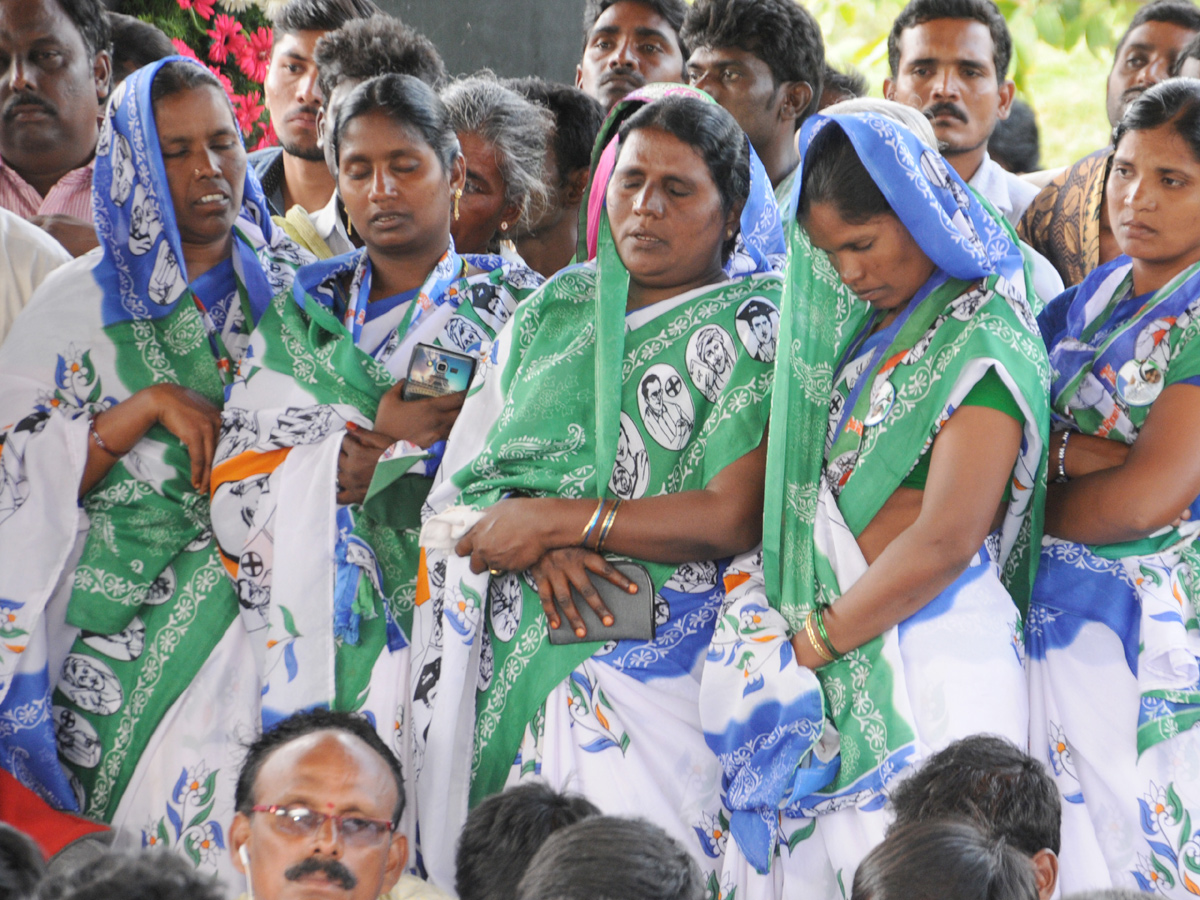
990,781
1014,142
578,118
1175,101
781,33
1191,51
90,18
21,863
320,15
607,856
918,12
673,11
845,85
834,173
380,45
943,858
1175,12
407,100
504,832
136,43
713,133
309,722
132,875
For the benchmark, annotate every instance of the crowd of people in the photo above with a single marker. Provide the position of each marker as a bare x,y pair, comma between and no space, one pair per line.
704,481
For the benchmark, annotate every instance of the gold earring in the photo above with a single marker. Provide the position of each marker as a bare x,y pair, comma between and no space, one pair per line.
349,226
457,197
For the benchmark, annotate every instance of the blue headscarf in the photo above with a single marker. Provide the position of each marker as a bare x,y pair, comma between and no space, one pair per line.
142,272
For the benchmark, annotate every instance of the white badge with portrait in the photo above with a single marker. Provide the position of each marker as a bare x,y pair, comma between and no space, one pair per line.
1139,382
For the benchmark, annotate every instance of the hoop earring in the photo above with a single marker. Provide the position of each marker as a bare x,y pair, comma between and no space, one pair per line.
504,226
457,197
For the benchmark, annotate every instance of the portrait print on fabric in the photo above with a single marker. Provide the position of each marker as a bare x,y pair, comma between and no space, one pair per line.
631,470
710,358
666,406
758,328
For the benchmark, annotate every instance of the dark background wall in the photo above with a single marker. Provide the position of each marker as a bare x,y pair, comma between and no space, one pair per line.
511,37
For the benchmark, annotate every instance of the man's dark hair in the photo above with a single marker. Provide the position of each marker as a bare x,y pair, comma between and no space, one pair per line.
1014,143
321,15
21,864
607,856
90,18
781,33
1191,51
944,858
505,831
577,120
132,875
304,723
1175,12
1175,101
845,85
135,43
918,12
987,780
671,10
380,45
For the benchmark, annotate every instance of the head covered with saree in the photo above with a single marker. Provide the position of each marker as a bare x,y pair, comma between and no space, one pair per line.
760,246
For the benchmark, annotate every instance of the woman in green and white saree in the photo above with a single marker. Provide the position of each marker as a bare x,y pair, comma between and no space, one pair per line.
1112,635
325,569
130,622
906,459
642,377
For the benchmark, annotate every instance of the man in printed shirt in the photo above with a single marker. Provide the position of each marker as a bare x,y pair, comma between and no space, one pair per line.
54,56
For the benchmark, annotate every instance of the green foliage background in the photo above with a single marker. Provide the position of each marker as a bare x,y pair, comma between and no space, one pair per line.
1062,53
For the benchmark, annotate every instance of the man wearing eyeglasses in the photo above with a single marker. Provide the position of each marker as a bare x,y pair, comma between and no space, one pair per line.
318,800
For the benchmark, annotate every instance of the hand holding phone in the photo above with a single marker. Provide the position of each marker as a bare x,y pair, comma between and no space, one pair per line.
421,422
436,371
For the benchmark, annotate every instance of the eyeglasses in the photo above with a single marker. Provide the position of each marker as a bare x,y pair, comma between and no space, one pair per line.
302,822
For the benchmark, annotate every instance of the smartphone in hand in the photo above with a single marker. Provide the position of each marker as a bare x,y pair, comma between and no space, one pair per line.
436,371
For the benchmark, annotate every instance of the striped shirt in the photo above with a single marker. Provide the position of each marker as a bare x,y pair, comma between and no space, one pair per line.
70,196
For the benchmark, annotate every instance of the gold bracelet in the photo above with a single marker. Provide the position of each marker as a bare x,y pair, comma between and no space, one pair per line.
812,639
607,526
587,529
820,614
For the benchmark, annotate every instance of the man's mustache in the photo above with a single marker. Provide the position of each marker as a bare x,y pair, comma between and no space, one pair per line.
624,73
333,870
26,100
946,109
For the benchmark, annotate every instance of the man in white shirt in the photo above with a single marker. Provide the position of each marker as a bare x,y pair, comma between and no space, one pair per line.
29,255
949,59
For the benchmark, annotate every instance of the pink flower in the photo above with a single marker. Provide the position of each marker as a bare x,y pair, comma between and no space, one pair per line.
226,38
204,8
269,138
248,111
255,55
224,79
183,49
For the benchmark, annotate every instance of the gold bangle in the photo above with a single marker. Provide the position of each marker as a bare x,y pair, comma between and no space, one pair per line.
607,526
812,639
825,634
587,529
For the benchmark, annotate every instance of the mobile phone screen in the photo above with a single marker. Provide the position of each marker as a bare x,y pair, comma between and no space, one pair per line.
435,371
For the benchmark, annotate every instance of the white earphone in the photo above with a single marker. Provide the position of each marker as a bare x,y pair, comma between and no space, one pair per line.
244,856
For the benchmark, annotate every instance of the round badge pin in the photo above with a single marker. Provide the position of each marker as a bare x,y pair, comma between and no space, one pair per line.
883,395
1139,382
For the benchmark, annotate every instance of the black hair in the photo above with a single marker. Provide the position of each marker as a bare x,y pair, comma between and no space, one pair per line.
135,43
90,18
309,722
1014,142
132,875
577,120
673,11
1177,101
1175,12
607,856
714,134
918,12
408,101
380,45
1191,51
181,75
504,832
940,859
833,173
986,779
1109,894
781,33
21,863
842,85
320,15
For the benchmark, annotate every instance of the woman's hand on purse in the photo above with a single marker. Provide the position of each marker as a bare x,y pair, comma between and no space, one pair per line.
360,454
560,570
422,422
